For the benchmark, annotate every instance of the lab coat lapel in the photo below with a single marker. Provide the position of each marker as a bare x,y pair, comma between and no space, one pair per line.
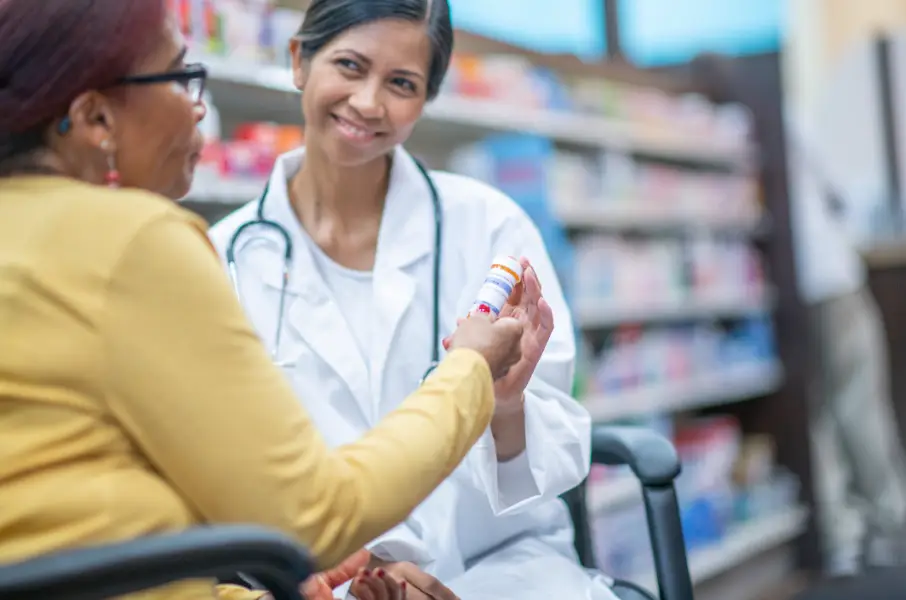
312,313
406,236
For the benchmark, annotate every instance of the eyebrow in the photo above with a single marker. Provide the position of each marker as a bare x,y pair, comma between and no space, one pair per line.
367,61
179,58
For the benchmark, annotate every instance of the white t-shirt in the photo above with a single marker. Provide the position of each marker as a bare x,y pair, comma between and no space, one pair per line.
354,293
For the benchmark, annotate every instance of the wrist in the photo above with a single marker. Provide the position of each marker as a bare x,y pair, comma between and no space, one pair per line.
508,430
508,407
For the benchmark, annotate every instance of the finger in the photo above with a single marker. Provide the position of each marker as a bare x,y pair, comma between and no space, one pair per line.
315,588
430,586
546,316
510,326
447,341
360,589
517,293
377,587
393,588
347,569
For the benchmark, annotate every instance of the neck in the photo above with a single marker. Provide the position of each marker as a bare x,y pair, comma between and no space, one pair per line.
339,198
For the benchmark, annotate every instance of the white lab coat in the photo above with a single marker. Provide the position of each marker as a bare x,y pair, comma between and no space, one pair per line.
488,523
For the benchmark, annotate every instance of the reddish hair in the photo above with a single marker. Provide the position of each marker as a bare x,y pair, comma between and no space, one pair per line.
52,51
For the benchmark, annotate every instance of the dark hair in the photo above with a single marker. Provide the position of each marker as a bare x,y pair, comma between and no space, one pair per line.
326,19
50,52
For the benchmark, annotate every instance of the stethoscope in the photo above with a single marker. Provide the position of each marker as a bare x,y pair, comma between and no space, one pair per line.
261,221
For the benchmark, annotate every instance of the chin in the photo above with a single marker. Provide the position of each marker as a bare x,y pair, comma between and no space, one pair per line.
179,189
343,155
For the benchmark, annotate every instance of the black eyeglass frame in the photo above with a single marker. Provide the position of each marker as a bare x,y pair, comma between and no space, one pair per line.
189,73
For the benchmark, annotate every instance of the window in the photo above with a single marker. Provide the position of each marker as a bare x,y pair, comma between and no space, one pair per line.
564,26
663,32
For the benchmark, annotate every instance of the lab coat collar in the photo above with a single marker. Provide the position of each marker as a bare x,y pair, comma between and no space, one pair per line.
407,226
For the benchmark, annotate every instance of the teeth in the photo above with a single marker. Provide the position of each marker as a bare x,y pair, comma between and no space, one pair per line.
353,131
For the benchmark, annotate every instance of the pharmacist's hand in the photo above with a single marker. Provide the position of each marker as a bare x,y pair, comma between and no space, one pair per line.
499,341
321,585
528,306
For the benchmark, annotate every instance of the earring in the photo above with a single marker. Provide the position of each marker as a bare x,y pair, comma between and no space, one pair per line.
112,177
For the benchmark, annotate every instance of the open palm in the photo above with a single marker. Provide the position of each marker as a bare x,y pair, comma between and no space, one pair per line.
528,305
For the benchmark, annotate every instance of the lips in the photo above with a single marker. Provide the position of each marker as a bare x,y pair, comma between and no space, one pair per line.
354,131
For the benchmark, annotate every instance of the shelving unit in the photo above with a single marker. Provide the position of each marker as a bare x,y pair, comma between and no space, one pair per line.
741,382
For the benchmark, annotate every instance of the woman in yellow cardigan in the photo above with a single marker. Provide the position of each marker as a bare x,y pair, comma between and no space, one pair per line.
134,396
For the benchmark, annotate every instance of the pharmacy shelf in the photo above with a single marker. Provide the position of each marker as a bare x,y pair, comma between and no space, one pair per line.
268,92
237,191
742,543
604,314
637,216
739,382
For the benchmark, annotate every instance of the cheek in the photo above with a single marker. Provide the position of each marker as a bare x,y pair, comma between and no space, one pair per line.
158,139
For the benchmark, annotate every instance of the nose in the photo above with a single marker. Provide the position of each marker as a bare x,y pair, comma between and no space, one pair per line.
366,100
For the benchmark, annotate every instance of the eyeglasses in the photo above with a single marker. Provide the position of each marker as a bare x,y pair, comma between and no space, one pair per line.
192,78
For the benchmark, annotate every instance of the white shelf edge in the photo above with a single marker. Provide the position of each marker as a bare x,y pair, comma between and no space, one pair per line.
229,191
239,191
606,313
736,383
742,543
589,130
610,218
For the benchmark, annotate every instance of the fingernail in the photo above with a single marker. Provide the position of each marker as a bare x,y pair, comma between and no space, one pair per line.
366,573
379,572
403,585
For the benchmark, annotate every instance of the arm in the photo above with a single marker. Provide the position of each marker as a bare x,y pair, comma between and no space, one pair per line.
543,449
199,396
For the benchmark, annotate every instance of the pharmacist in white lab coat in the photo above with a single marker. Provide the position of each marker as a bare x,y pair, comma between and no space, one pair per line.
358,326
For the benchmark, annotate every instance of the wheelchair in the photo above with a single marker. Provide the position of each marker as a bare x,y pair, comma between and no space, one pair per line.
280,565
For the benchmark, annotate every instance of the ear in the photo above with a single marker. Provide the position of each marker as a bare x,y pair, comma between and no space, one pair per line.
91,119
300,74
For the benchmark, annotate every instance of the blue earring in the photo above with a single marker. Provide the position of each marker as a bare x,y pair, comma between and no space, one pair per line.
64,126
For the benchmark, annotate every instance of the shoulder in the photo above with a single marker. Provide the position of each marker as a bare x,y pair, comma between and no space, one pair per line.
469,201
117,215
221,231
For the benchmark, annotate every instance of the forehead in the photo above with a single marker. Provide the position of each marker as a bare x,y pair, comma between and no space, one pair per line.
388,43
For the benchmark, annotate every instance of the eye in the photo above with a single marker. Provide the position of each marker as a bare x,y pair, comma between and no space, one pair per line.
349,64
404,84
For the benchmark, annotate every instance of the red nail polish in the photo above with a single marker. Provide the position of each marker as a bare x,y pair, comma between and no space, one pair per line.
379,572
403,586
366,573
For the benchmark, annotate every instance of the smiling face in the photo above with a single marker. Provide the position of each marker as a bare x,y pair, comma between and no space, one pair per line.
364,92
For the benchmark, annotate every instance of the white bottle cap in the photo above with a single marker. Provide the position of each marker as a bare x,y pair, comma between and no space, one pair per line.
510,264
